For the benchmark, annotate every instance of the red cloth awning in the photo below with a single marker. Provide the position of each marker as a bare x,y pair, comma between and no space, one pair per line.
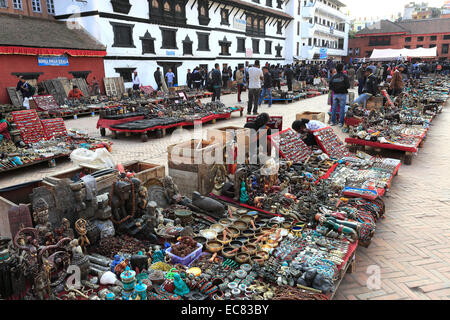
51,52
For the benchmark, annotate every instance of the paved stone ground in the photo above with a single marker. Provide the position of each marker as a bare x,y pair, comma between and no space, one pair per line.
411,245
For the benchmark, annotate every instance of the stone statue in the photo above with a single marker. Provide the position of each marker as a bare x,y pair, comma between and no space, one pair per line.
219,179
239,176
43,226
243,198
81,227
171,190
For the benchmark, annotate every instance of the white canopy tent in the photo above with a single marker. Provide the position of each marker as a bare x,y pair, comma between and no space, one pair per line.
397,54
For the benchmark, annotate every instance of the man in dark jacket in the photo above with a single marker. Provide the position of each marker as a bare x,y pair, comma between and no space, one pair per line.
361,78
276,75
370,88
339,84
157,76
216,82
189,79
289,76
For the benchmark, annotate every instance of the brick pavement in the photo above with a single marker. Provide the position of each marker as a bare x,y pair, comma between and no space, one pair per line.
411,245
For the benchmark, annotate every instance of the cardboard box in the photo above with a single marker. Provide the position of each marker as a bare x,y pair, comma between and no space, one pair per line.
320,116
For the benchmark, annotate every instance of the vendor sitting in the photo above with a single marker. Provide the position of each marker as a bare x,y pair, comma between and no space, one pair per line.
305,127
4,129
370,88
75,93
259,128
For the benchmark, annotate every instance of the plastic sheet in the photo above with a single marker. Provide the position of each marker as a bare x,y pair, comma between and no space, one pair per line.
99,159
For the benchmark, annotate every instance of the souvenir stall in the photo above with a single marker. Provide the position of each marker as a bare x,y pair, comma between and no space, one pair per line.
402,124
42,141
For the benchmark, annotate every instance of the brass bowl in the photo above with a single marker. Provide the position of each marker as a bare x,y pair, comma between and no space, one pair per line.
214,246
242,257
248,233
235,232
273,225
208,234
225,222
226,254
246,219
262,254
241,212
222,241
258,259
241,225
266,229
242,239
217,228
286,225
200,239
251,249
236,244
253,242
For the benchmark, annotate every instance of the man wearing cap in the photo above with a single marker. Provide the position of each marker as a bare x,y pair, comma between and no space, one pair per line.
370,88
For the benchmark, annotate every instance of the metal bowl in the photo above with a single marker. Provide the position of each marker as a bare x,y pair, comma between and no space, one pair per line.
217,227
241,225
208,234
226,252
225,222
242,258
251,249
236,244
200,239
242,239
214,246
235,232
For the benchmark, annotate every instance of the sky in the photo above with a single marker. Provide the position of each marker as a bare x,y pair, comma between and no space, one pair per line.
381,8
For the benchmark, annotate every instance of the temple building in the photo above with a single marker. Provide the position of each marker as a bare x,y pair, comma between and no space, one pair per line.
180,34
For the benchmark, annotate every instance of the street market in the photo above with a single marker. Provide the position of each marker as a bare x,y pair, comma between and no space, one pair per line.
275,182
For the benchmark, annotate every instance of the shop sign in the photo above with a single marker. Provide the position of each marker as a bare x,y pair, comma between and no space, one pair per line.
53,61
323,53
249,53
239,24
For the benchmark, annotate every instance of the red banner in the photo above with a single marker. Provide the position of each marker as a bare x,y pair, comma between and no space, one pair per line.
51,52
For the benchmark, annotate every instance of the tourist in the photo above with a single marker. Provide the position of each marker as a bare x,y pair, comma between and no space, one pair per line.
225,76
396,86
75,93
255,75
360,77
305,127
240,75
340,84
289,72
197,78
276,75
136,81
351,76
267,87
189,79
170,76
157,75
216,82
379,72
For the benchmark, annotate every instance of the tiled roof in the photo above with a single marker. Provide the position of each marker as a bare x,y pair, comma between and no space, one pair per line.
25,31
425,26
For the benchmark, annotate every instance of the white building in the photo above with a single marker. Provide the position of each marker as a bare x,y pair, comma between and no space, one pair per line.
180,34
319,30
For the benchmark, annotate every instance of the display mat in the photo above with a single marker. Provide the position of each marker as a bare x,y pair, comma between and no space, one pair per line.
330,143
29,125
275,122
45,103
54,128
290,146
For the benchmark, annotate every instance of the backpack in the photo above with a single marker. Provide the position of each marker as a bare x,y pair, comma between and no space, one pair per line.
209,82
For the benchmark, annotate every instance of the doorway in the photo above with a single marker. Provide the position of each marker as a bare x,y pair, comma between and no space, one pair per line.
170,65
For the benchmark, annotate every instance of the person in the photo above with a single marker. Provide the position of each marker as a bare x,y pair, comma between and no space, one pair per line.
240,81
27,91
255,75
157,76
136,81
340,84
267,87
225,76
396,86
204,75
416,71
189,79
75,93
234,73
276,73
216,82
305,127
370,88
5,127
259,128
351,76
197,78
360,77
303,73
379,72
289,72
170,76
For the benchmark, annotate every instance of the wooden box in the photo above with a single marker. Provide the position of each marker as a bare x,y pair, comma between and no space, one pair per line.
11,197
320,116
190,164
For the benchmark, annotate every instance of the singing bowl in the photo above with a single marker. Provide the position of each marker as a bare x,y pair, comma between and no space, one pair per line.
235,232
242,257
226,252
223,241
239,224
214,246
251,249
236,244
217,227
